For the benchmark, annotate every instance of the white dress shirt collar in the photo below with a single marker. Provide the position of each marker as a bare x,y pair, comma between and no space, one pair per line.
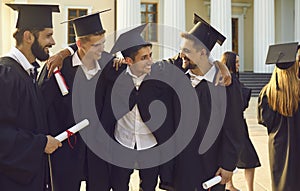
136,80
18,56
128,71
88,73
209,76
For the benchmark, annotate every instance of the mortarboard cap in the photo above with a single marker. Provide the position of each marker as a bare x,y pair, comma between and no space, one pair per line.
88,24
33,16
130,39
206,33
283,55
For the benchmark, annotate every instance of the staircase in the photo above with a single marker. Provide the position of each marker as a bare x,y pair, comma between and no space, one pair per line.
255,81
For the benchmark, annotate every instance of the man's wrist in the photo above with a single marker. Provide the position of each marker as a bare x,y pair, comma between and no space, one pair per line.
70,51
64,54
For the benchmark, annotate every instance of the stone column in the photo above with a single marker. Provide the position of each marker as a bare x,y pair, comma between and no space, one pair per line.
297,20
1,28
173,25
220,19
128,13
128,16
264,34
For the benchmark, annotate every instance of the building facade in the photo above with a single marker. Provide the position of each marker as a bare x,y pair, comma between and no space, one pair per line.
249,25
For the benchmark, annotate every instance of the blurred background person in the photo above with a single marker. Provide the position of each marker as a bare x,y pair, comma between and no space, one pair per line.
248,158
278,110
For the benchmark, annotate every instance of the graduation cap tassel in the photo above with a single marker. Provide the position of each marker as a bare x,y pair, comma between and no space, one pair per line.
280,55
50,173
276,78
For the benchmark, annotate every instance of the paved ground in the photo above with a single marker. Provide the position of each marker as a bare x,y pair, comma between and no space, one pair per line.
258,135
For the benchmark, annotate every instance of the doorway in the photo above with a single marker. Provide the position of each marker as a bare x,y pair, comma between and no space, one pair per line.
237,24
235,35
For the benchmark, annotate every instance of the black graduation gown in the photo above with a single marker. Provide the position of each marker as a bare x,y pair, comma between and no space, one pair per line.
191,168
23,126
149,91
177,61
284,146
248,157
71,165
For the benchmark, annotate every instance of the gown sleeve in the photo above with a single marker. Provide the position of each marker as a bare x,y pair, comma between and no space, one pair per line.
21,150
232,129
266,115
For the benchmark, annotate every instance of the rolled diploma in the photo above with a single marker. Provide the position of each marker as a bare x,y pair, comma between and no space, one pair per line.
215,180
64,135
61,83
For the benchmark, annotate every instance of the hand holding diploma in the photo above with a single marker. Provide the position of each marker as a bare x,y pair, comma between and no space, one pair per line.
64,135
61,82
222,177
52,145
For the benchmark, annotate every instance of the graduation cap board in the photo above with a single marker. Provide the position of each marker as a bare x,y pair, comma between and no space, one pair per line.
34,16
283,55
88,24
204,32
130,39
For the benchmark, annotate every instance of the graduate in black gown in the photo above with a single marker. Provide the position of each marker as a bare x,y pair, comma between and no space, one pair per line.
278,110
131,129
215,146
248,158
24,144
75,162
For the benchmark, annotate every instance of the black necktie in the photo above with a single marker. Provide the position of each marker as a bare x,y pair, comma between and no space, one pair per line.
34,72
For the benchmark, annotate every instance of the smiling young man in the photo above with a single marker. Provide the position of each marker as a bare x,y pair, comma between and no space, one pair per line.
215,146
131,128
23,121
76,162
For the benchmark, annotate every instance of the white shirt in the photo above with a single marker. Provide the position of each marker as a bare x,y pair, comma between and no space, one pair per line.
18,56
209,76
130,129
88,73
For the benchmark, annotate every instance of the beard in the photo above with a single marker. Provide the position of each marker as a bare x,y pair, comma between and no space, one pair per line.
38,51
192,66
188,66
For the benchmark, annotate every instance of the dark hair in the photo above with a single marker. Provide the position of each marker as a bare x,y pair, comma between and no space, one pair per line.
133,51
18,34
229,58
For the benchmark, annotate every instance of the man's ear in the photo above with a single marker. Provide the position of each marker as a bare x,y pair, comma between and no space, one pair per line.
203,52
129,60
28,37
78,43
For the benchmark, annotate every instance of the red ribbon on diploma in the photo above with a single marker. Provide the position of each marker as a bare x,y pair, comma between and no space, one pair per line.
69,141
64,81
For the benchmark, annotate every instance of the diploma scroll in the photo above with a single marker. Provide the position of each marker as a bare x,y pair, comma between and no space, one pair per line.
213,181
64,135
61,82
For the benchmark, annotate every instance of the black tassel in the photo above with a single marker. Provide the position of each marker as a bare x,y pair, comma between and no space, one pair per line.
276,77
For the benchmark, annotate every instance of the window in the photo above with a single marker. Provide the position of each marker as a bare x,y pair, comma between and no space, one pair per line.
73,13
149,15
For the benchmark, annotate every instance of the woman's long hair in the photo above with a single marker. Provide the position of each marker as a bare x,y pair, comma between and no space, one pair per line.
229,58
285,98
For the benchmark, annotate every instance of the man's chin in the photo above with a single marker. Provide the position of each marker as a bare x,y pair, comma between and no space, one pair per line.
43,58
